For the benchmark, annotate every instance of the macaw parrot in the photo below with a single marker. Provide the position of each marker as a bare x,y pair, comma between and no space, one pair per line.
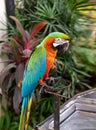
37,69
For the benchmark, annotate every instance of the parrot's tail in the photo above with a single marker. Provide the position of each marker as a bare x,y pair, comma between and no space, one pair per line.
25,112
28,113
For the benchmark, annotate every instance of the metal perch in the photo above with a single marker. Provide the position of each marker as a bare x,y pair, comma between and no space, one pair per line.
57,95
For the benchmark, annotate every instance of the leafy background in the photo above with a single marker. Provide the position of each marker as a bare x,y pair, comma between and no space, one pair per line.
78,64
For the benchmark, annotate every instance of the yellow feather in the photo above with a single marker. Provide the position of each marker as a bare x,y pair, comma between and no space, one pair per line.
28,113
21,125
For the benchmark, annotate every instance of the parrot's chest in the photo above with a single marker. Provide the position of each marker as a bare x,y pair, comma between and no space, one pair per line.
50,60
50,56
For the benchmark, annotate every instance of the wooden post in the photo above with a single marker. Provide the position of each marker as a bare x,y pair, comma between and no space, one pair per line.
56,112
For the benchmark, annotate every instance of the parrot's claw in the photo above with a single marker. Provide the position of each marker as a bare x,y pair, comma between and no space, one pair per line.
50,81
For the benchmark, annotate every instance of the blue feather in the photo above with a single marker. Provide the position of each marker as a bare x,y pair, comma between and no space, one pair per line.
34,71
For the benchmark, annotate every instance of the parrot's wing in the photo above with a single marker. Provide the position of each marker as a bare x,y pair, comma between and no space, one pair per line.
34,71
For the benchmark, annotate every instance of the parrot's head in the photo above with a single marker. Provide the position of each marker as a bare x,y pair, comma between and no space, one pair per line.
57,40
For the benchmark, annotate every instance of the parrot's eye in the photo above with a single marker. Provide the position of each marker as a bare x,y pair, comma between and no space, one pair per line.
58,39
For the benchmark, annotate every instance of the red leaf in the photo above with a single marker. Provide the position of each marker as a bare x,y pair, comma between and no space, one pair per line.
20,51
18,40
34,43
37,27
20,28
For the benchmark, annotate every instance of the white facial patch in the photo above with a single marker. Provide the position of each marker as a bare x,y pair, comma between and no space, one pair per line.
59,42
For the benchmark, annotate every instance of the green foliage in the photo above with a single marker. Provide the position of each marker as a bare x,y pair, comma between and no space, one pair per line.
7,121
84,58
41,111
78,64
72,72
60,15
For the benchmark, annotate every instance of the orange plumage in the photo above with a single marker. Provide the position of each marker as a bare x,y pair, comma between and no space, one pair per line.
50,56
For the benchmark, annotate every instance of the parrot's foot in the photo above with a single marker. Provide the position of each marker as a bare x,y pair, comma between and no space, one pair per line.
47,84
50,81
